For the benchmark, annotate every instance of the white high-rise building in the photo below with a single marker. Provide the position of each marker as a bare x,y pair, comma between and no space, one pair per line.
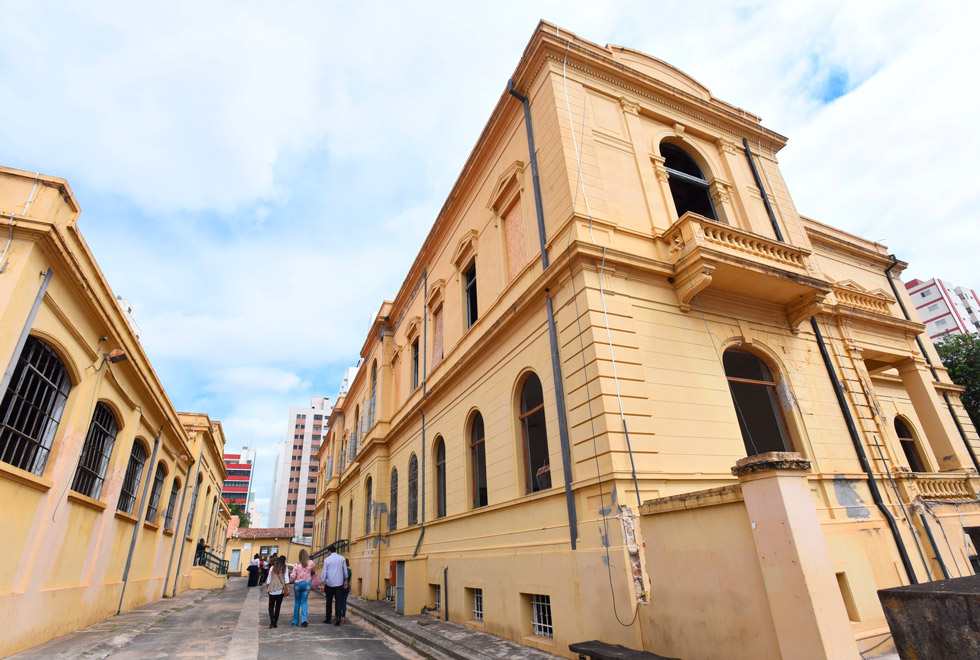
294,479
944,308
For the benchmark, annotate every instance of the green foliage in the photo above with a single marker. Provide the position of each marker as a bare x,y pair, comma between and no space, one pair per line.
244,520
961,355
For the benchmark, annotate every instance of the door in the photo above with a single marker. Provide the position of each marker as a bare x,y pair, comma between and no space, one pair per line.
400,588
235,555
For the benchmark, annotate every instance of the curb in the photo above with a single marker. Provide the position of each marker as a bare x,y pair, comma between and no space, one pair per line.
410,638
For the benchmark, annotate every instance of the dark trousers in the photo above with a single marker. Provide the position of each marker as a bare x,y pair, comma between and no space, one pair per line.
332,594
275,603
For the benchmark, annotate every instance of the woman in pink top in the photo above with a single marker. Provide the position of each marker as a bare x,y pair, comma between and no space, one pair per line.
302,579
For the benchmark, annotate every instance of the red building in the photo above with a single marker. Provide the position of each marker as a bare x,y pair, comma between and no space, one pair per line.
238,483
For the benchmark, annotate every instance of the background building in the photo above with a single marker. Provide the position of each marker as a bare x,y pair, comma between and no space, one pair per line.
294,481
944,308
254,515
237,488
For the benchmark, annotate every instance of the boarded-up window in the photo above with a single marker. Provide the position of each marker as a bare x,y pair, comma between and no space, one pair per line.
514,236
437,337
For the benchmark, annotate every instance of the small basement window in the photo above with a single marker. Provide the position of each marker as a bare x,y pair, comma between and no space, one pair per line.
476,600
541,616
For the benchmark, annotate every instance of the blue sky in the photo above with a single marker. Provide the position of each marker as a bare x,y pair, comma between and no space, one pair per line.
257,179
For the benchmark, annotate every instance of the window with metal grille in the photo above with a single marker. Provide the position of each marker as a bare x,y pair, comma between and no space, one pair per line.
156,492
374,392
435,594
535,435
541,616
477,595
393,502
190,514
368,502
168,520
470,282
32,407
131,482
413,490
440,478
94,460
415,364
478,455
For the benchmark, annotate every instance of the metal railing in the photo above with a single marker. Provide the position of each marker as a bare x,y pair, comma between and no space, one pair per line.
211,562
343,546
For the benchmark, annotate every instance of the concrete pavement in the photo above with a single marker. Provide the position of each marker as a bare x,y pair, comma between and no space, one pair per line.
228,624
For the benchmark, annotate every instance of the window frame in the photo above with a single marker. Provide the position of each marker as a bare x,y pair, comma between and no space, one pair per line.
393,500
93,462
478,468
440,484
470,295
789,442
156,492
684,178
368,503
168,517
129,491
413,490
416,361
911,443
532,485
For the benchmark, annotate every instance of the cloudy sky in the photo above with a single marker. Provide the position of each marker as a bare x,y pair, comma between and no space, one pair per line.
257,179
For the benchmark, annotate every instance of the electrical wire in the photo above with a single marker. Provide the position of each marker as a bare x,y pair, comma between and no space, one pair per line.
887,637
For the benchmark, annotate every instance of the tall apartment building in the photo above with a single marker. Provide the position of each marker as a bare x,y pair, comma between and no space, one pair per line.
944,308
294,480
626,392
237,488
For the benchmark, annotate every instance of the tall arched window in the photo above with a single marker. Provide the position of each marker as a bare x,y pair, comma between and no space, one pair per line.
368,505
537,467
440,481
413,490
374,392
909,446
478,461
31,407
168,519
340,523
393,502
96,451
156,492
757,404
190,514
688,185
131,482
350,520
354,434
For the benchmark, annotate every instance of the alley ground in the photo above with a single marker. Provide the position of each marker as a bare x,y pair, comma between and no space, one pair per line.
231,623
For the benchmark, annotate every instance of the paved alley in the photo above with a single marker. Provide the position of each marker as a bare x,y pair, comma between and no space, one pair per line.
230,624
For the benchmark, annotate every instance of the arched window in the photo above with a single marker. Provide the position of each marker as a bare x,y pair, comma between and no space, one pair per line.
374,392
757,404
94,460
190,514
350,520
32,407
340,523
131,482
909,446
537,467
393,502
413,490
440,453
478,459
156,492
368,505
168,519
353,435
688,185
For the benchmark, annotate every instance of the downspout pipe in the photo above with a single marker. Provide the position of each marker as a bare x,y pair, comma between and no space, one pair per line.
150,475
177,530
862,457
445,593
566,450
932,368
180,533
935,547
762,191
25,331
425,318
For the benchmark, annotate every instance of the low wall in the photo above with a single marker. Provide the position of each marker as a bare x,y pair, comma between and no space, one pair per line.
204,578
935,619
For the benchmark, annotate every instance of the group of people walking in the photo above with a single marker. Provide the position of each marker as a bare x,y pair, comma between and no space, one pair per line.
333,580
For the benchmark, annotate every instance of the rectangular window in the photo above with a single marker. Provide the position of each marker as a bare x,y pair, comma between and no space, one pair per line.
925,293
415,364
435,597
471,309
476,599
541,616
941,322
514,238
437,337
845,592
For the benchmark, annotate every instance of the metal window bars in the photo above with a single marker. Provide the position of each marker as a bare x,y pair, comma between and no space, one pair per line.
31,407
541,616
155,493
478,604
131,482
168,519
393,502
95,453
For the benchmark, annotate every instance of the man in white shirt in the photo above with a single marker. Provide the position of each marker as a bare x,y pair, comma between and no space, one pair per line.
334,580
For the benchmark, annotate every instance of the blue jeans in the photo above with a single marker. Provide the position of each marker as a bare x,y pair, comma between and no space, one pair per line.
302,592
342,601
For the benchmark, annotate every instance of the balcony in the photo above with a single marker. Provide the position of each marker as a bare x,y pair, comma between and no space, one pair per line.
938,487
707,254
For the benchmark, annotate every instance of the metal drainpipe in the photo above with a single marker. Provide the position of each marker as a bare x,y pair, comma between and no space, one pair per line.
862,457
762,191
935,547
425,318
177,532
139,518
932,368
566,451
26,331
181,533
445,593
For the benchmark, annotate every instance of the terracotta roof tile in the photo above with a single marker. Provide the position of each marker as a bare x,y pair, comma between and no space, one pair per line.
264,533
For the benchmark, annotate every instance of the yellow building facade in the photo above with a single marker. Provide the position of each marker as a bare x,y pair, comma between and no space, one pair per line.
94,460
624,375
